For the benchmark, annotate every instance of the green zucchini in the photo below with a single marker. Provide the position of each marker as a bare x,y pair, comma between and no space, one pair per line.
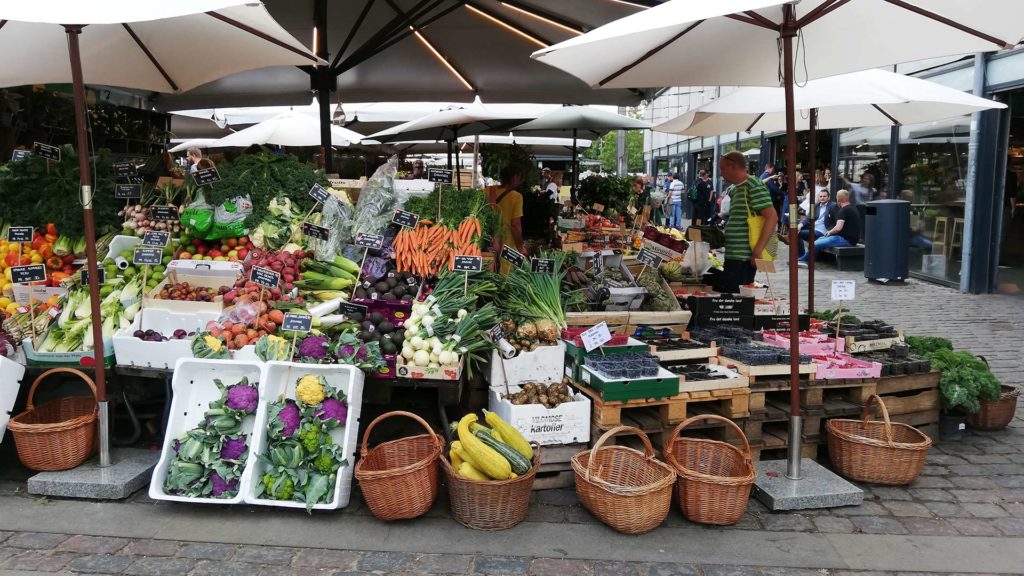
520,465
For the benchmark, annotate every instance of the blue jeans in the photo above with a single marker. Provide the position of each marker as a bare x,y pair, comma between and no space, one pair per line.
676,221
803,236
825,242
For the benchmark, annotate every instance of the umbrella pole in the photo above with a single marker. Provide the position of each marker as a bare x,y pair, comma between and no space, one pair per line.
449,154
789,29
89,222
575,169
458,168
812,159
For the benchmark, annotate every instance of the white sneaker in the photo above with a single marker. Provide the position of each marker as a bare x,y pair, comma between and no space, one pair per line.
801,264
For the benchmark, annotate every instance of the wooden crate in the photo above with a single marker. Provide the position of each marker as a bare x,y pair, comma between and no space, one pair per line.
894,384
731,403
911,401
649,422
769,377
555,468
852,345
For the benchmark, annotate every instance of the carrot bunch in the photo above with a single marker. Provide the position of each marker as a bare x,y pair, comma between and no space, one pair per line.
423,250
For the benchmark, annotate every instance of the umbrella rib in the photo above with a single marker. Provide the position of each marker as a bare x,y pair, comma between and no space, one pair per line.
649,53
352,33
953,24
764,21
145,50
756,120
2,23
259,34
822,9
894,121
754,21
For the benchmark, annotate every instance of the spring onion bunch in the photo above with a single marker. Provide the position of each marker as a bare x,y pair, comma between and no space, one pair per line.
536,296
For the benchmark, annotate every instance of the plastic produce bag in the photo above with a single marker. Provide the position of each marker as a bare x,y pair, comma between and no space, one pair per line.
197,216
337,217
377,201
229,218
697,258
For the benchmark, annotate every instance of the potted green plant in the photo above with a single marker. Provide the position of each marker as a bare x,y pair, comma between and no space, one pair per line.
966,380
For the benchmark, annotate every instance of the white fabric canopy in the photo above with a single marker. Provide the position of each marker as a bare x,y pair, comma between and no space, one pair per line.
193,143
582,118
287,129
449,124
159,46
537,145
866,98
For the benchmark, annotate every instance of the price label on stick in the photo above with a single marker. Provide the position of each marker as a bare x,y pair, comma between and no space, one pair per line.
101,275
123,168
348,308
372,241
46,151
27,274
206,176
127,191
20,155
648,258
495,333
441,175
598,263
148,256
314,231
542,265
844,289
20,234
163,213
596,336
512,256
265,277
404,218
297,322
156,238
468,263
319,193
597,207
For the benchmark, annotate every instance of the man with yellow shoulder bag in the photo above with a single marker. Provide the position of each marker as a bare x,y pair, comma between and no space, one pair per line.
750,231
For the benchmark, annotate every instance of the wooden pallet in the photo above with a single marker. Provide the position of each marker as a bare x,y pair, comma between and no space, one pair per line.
739,381
770,377
732,403
555,468
659,434
808,449
895,384
852,345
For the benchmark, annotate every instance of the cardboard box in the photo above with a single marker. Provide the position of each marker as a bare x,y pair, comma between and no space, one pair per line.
545,364
565,424
151,302
24,293
54,359
423,373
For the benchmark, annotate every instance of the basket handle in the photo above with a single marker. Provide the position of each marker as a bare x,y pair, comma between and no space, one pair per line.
52,371
648,449
885,415
366,435
716,417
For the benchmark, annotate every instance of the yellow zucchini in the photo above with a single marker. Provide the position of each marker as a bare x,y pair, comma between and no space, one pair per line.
483,457
453,454
466,470
509,435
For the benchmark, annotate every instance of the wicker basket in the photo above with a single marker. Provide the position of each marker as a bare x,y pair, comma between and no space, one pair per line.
878,452
57,435
995,414
491,505
714,477
629,490
399,478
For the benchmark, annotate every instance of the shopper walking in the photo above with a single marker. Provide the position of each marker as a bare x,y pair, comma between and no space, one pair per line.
704,201
548,186
749,196
508,202
193,155
845,232
675,197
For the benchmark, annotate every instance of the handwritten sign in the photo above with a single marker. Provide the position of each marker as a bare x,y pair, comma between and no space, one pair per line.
264,277
844,289
542,266
163,213
495,333
46,151
19,155
27,274
406,219
297,322
20,234
206,176
101,275
441,175
512,256
156,238
314,231
596,336
648,258
318,193
123,168
127,191
348,308
372,241
598,207
147,256
468,263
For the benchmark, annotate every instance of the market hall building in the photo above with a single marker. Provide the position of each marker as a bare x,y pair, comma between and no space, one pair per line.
963,176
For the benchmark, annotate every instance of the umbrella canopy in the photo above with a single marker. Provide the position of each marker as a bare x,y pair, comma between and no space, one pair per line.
587,119
287,129
449,124
183,145
537,145
866,98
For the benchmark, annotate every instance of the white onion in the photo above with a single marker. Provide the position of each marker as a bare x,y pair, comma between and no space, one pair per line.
421,358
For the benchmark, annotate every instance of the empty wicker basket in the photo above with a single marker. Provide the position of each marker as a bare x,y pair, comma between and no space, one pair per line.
59,434
996,414
874,451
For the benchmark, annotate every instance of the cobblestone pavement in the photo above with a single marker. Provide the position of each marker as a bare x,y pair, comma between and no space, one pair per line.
971,491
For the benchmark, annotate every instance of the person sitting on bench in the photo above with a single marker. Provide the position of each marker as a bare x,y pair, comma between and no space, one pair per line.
846,231
825,213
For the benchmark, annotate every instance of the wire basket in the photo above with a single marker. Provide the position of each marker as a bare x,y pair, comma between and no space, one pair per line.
59,434
876,451
629,490
399,479
995,414
491,504
714,477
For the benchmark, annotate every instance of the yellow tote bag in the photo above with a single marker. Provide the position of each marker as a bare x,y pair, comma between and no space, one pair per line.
755,223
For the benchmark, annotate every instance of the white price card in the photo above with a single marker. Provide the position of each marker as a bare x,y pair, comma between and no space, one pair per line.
844,289
596,336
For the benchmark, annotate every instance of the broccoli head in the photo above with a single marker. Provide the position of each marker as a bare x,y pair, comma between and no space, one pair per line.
278,487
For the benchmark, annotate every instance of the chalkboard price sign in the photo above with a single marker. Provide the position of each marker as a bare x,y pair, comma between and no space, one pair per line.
469,263
297,323
30,273
156,238
206,176
127,191
407,219
148,256
542,265
101,275
46,151
348,308
441,175
318,193
314,231
20,234
123,168
163,213
265,277
20,155
648,258
512,256
372,241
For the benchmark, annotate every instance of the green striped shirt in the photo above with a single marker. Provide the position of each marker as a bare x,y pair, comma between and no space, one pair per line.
737,239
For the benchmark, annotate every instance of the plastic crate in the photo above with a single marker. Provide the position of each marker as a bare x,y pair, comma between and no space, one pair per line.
131,351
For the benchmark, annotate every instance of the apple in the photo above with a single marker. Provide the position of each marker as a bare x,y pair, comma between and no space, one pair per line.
191,249
207,258
233,254
197,242
185,256
215,253
224,248
232,242
243,240
220,258
201,250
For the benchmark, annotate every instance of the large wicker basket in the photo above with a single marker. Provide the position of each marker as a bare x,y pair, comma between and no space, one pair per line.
629,490
996,414
877,452
399,478
59,434
492,504
714,477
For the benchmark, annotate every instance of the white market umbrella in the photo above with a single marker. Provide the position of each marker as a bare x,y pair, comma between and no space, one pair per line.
287,129
192,143
751,43
537,144
134,45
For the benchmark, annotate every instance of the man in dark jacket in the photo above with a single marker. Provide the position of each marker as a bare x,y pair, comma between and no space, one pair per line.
824,220
845,232
704,198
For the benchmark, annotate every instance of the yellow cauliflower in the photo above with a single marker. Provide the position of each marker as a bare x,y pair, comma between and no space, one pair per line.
310,390
213,342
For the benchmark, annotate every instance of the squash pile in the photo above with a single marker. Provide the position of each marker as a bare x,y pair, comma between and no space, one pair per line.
496,453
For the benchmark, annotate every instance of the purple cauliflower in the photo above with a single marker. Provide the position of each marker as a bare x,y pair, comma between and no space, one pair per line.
347,351
176,446
288,418
313,347
243,398
361,354
333,411
233,448
222,487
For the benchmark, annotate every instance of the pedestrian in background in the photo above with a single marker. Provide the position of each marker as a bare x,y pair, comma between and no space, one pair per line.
675,197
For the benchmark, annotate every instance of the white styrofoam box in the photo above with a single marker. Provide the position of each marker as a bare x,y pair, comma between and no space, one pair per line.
150,301
760,292
194,389
23,293
131,351
205,273
246,354
771,307
545,364
420,187
567,423
280,381
120,244
11,374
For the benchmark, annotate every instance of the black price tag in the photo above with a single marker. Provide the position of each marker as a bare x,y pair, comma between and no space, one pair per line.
148,256
163,213
127,191
373,241
18,155
512,256
495,333
46,151
314,231
20,234
297,322
542,265
101,275
206,176
598,263
348,309
441,175
469,263
648,258
407,219
319,193
30,273
264,277
123,168
156,238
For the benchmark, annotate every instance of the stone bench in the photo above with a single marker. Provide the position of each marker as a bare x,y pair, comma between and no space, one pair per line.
848,258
